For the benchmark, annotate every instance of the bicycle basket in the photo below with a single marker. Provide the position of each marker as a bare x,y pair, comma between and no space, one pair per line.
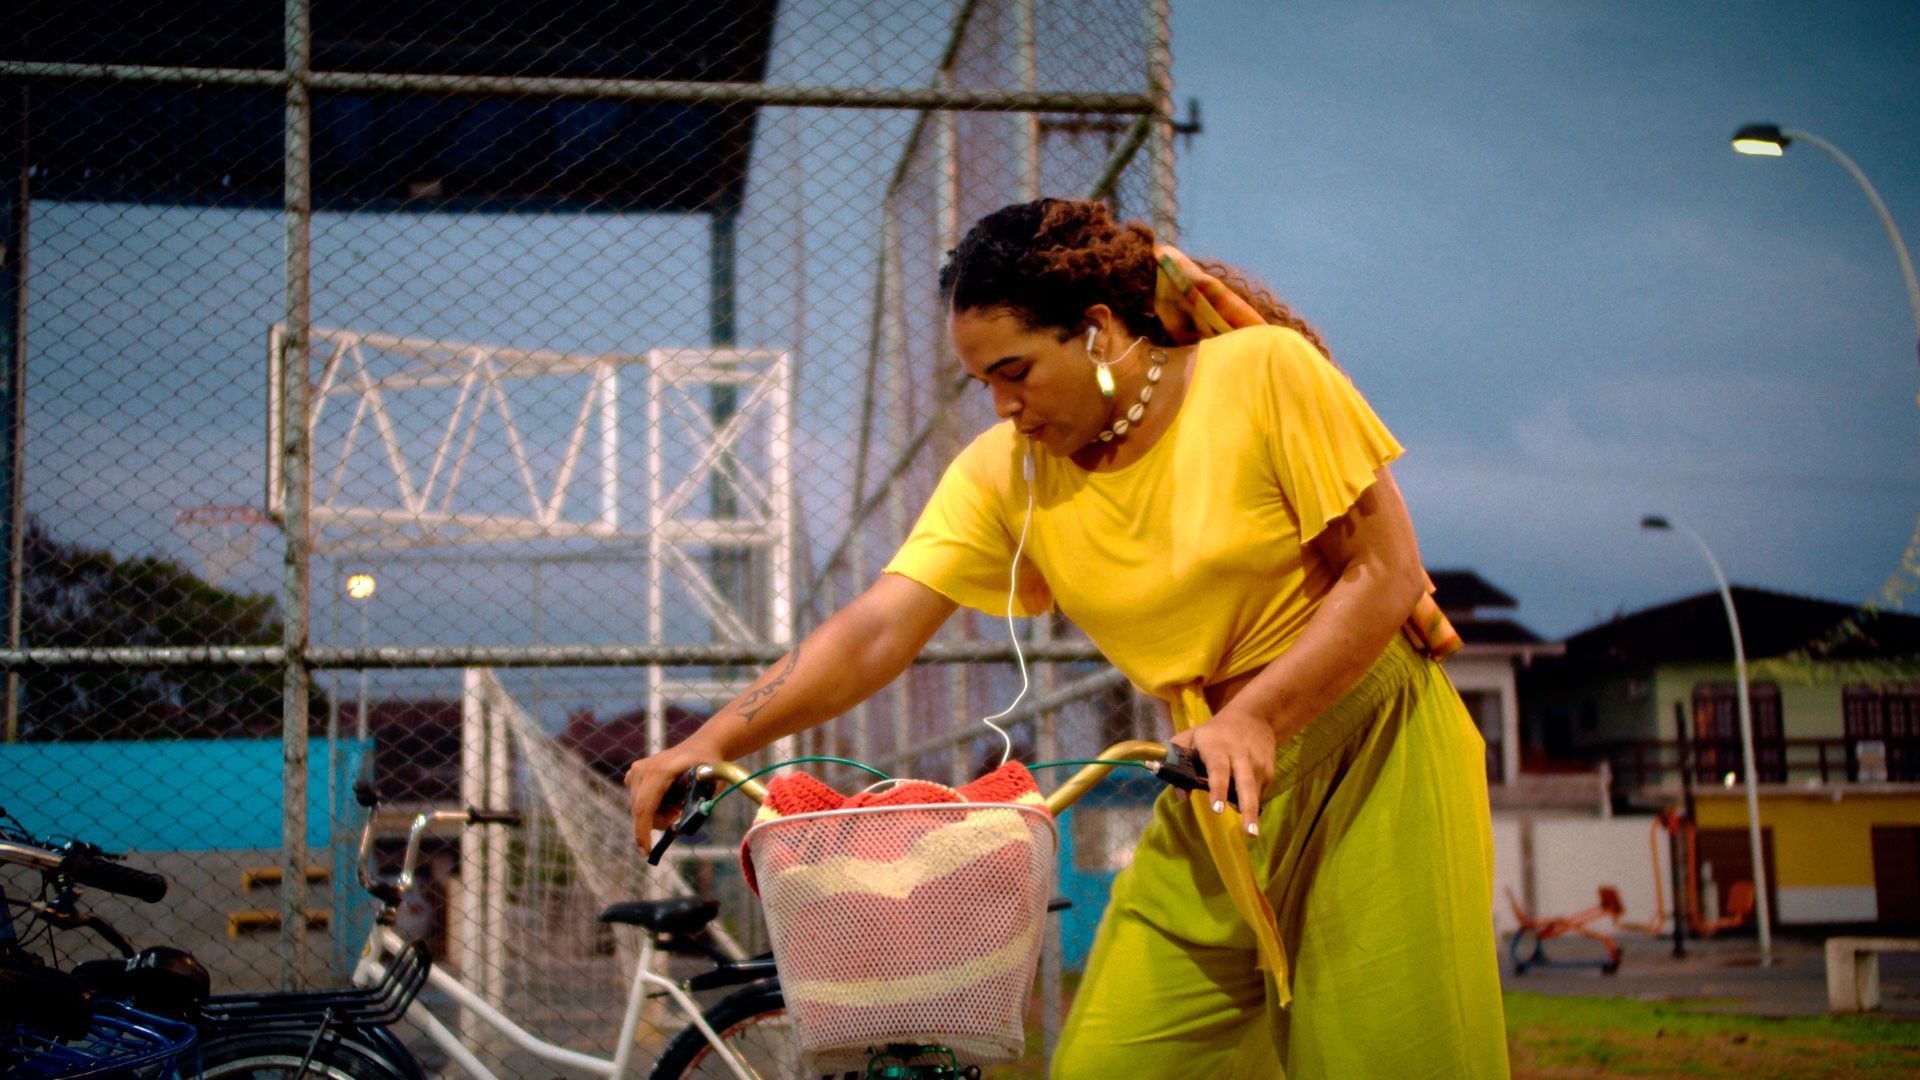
916,923
121,1042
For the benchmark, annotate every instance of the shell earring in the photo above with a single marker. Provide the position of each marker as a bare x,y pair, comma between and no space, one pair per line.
1100,373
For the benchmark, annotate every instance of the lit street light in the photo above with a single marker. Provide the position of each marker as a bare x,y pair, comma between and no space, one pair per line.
1772,140
360,587
1654,521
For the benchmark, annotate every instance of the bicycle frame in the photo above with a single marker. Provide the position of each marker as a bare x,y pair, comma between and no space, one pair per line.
382,941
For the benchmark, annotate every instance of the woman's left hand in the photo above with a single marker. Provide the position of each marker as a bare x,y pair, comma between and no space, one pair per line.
1236,746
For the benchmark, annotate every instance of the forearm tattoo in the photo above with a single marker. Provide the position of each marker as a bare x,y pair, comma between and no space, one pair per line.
750,705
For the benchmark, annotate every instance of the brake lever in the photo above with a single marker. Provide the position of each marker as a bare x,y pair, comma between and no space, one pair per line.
694,811
1184,770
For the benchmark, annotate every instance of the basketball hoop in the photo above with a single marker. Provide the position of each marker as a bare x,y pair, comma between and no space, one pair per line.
221,536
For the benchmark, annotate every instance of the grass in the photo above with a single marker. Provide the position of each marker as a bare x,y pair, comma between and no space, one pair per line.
1562,1037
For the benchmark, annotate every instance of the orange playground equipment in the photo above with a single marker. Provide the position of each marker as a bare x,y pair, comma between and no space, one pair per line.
1528,944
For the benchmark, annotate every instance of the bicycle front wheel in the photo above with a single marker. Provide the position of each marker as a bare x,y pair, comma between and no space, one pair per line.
753,1023
277,1055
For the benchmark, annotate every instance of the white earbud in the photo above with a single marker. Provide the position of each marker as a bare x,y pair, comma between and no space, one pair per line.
1091,330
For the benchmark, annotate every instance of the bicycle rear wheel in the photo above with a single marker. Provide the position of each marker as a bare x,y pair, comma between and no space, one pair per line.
753,1023
276,1055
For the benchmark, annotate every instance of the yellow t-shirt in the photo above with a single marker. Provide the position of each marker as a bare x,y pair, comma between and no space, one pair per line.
1192,563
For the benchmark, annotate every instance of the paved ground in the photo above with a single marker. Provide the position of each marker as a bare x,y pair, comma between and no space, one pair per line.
1723,974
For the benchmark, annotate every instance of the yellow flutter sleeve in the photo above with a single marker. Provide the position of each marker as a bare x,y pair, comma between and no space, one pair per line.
962,547
1325,439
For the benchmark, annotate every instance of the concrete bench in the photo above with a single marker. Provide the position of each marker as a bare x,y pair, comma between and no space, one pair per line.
1853,970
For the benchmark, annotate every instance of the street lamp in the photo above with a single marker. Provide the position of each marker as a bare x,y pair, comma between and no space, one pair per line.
360,588
1772,140
1654,521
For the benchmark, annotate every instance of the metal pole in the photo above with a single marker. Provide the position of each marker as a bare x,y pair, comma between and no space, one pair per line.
665,655
1680,819
1047,748
342,961
1026,46
539,635
13,384
297,455
1761,906
893,327
1160,89
1880,208
656,556
567,89
361,725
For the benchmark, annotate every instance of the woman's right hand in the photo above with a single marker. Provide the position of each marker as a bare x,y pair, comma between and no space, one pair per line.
649,783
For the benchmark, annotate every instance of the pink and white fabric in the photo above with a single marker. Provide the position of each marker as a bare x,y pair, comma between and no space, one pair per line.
911,914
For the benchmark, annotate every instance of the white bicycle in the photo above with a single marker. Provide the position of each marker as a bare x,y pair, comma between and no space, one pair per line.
743,1036
751,1034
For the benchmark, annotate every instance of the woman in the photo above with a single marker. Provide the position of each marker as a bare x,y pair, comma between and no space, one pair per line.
1220,519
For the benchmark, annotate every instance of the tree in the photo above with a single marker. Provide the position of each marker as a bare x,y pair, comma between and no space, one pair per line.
75,596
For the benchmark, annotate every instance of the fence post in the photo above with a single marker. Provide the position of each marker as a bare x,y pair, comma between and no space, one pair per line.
1160,177
15,173
298,474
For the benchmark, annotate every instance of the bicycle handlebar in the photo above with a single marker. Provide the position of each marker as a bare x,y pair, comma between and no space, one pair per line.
87,866
389,892
1171,764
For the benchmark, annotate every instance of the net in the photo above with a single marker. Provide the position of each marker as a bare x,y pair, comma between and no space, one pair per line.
906,924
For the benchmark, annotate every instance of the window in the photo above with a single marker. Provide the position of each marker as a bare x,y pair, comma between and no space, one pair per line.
1484,707
1716,732
1883,732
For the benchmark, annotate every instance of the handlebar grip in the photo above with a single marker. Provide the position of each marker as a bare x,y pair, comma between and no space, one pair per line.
1184,770
113,877
364,794
476,816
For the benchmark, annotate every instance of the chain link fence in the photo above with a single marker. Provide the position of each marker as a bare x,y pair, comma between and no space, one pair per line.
474,396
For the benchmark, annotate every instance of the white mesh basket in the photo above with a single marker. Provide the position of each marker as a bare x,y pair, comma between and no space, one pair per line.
906,924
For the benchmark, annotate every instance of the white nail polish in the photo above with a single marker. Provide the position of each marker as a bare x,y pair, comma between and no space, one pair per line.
1219,807
1253,828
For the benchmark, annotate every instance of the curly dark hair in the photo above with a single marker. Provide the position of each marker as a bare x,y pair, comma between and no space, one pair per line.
1050,260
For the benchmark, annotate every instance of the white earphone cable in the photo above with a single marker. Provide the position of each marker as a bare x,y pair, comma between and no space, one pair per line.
1013,586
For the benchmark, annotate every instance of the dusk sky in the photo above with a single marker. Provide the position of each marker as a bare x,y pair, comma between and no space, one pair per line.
1522,230
1519,226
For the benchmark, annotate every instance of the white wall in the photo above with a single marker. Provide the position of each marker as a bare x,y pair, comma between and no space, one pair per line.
1494,674
1572,858
1507,871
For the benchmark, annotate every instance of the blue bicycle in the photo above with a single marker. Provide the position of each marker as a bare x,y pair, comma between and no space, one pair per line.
52,1024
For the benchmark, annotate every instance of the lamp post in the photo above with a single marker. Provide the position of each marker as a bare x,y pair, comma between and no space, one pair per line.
360,588
1772,140
1762,908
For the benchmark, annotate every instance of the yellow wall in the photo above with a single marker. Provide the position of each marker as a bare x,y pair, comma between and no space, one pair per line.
1817,840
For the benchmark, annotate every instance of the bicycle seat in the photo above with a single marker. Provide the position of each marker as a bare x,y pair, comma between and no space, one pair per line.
680,915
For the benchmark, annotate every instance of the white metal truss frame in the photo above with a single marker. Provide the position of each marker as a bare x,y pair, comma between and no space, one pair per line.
422,510
677,382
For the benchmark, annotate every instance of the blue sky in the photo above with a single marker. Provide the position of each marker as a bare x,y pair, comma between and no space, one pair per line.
1523,233
1518,225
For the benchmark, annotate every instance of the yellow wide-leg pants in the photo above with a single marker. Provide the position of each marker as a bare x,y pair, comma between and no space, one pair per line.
1376,853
